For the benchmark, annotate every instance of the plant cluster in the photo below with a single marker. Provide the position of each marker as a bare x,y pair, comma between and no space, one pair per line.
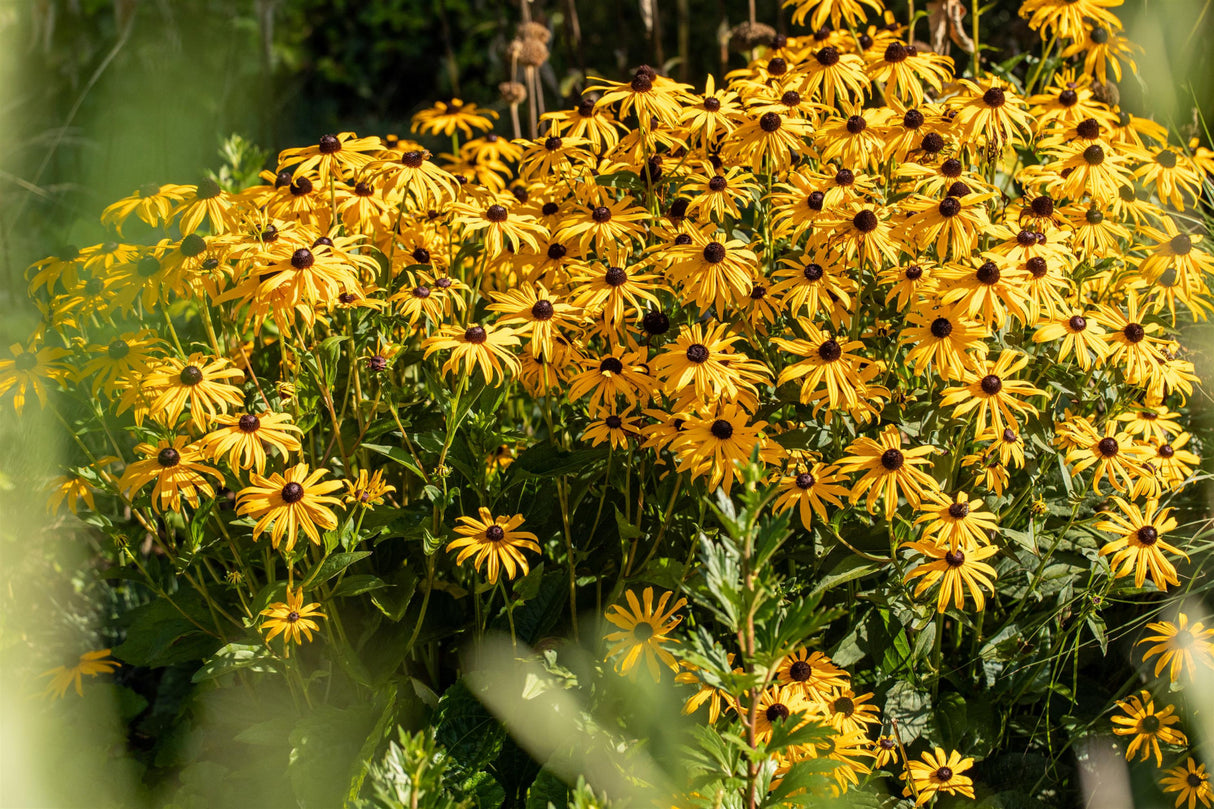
849,392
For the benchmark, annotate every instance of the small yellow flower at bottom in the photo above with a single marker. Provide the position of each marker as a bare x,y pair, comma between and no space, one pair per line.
292,619
1190,781
90,663
939,772
644,627
1148,727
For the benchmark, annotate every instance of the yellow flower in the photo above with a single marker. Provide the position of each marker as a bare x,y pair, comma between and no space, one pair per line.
487,347
197,381
90,663
30,369
367,490
1176,644
956,570
445,117
889,470
244,437
292,619
939,772
1148,726
1140,547
495,542
285,503
644,627
177,469
1190,781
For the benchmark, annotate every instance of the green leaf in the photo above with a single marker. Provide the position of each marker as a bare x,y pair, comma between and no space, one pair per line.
330,566
397,454
546,460
852,567
236,657
326,746
547,790
357,585
159,634
466,728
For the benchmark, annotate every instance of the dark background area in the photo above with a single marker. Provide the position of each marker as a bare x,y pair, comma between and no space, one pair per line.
104,95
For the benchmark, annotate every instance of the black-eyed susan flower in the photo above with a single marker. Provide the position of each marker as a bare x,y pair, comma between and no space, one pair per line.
368,489
177,469
30,369
494,543
644,628
810,491
198,381
715,442
446,117
1178,645
829,370
293,619
956,522
243,438
888,470
1082,337
938,772
532,310
702,361
956,570
90,664
488,347
989,390
990,111
616,429
841,13
1148,726
620,374
1115,455
779,704
1190,782
1140,547
285,503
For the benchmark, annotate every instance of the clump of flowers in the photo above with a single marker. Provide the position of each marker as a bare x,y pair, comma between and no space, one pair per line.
935,317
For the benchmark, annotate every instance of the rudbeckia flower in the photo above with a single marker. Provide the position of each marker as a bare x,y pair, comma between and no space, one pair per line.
91,664
494,543
292,619
487,347
1190,782
1148,726
1178,645
1139,547
286,503
644,628
939,772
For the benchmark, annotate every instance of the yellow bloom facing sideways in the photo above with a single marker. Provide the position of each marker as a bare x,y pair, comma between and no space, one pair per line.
1177,644
177,469
495,542
244,437
1190,782
285,503
89,663
368,490
957,570
644,627
956,522
1148,726
445,117
488,347
1140,547
30,369
292,619
198,381
939,772
810,491
992,395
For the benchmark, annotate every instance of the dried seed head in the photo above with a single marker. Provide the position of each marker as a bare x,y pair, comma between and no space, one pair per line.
513,92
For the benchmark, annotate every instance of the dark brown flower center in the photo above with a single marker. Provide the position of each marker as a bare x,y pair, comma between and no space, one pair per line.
494,533
722,429
208,189
413,159
777,712
1166,158
856,124
717,183
988,273
958,510
1134,332
168,457
643,631
955,558
941,327
1067,98
1107,447
292,493
1147,535
601,214
249,423
1166,451
421,292
615,276
655,322
1036,267
804,480
892,459
933,143
1181,244
496,213
944,774
994,98
1093,155
1193,779
950,207
329,144
1078,322
1149,724
118,349
865,221
542,310
613,422
714,252
896,52
1088,129
190,375
302,259
844,705
697,353
712,104
914,273
476,335
611,365
814,200
800,671
770,122
830,351
913,119
991,384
